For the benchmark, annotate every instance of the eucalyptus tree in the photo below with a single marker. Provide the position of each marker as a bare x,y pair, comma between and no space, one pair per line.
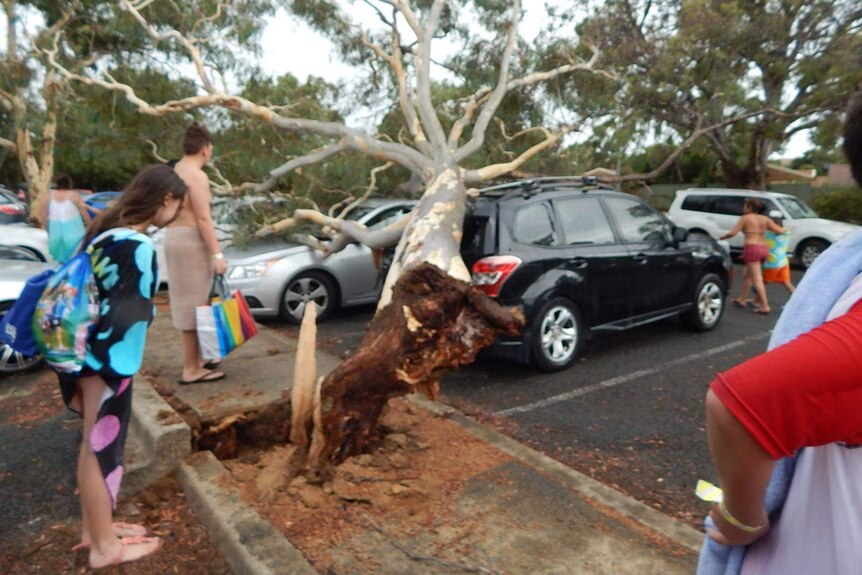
87,35
429,318
684,64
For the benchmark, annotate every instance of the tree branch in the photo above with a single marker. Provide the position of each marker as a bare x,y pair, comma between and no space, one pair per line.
425,103
189,45
588,66
408,14
496,96
405,101
469,110
313,157
697,133
497,170
353,139
9,145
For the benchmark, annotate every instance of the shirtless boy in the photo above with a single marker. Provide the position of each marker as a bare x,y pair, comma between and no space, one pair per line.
192,253
755,250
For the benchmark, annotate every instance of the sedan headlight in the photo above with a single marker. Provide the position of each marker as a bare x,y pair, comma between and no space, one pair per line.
247,271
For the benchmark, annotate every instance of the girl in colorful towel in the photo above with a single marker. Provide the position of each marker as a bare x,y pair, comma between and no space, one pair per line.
125,273
776,268
64,214
754,225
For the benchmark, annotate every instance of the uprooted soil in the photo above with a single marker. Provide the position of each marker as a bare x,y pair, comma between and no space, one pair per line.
407,483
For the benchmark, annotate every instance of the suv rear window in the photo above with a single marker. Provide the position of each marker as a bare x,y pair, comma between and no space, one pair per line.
697,203
729,205
534,224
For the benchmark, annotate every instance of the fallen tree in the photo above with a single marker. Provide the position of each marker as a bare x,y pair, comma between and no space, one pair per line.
429,319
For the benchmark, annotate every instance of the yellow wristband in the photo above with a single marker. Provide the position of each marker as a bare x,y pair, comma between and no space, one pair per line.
736,522
218,256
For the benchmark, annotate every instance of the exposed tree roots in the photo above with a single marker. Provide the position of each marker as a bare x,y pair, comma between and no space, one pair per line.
433,324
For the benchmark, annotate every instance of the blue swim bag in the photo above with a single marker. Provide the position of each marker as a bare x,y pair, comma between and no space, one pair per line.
66,313
15,327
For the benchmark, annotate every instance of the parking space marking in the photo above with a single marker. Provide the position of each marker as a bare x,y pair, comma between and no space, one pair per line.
614,381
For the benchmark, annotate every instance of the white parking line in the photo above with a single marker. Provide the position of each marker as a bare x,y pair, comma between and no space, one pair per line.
614,381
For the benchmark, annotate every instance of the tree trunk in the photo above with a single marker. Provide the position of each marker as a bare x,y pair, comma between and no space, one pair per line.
433,324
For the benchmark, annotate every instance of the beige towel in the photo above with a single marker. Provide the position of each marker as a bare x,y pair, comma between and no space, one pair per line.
190,273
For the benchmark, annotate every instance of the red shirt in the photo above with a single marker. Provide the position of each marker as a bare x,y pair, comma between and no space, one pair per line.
804,393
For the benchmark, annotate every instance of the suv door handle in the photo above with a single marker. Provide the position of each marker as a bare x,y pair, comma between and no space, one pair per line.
579,263
640,258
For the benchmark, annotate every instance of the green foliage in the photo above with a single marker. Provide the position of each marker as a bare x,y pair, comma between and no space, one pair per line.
679,61
102,140
841,204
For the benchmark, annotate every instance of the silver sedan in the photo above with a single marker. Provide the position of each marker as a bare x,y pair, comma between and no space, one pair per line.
279,278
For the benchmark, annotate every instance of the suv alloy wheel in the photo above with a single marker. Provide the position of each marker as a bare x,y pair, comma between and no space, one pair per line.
558,334
708,304
809,250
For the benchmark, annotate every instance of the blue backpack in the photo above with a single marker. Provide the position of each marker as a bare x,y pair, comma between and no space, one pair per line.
15,327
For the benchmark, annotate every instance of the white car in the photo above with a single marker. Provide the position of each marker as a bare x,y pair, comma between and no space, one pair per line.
714,212
34,240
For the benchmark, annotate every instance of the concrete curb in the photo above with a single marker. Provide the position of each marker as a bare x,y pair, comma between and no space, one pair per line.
252,545
629,507
159,440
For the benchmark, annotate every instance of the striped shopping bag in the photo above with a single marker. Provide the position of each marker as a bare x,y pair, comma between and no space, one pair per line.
225,324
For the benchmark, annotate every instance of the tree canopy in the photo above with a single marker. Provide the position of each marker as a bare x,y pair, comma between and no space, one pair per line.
684,64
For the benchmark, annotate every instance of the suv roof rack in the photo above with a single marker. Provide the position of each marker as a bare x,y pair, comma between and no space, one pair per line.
531,186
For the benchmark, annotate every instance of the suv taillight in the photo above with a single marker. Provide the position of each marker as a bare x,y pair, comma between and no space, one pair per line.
11,209
490,273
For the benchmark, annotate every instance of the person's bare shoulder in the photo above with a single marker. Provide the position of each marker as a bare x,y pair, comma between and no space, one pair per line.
194,178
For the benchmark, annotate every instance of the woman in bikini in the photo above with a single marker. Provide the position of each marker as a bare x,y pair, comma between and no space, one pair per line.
755,250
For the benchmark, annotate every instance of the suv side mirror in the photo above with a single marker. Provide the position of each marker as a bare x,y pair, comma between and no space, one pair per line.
679,235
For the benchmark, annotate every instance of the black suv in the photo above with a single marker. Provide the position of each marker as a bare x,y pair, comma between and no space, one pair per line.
580,257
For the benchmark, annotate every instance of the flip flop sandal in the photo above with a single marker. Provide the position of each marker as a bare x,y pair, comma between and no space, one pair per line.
741,303
205,378
211,364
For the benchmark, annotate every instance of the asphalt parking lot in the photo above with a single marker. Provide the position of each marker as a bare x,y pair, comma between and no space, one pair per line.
629,412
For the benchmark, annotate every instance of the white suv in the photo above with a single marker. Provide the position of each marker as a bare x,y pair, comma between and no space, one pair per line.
715,211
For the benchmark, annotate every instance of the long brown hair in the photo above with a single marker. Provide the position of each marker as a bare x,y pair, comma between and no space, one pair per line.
140,201
756,205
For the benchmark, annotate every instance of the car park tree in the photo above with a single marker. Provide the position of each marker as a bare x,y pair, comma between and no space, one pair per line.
429,319
81,35
682,64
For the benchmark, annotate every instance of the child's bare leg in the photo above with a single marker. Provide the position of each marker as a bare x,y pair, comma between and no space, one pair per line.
96,504
746,286
757,277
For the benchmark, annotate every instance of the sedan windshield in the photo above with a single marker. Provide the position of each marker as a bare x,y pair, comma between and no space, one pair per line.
797,208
